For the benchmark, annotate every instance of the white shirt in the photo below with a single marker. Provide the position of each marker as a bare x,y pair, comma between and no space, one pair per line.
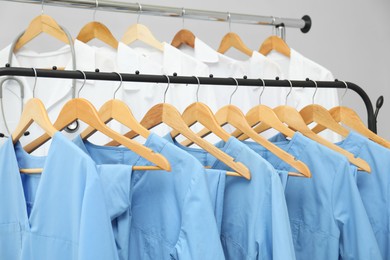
298,67
173,60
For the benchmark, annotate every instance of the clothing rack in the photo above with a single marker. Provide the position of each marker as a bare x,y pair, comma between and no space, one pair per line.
175,79
103,5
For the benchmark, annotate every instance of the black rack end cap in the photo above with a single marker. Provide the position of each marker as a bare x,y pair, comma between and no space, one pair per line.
379,102
308,24
97,70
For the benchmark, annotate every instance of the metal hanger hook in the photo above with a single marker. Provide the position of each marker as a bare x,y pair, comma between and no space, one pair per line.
35,81
166,90
197,90
183,12
345,92
315,92
288,94
231,96
42,3
120,84
229,19
139,12
94,12
262,91
85,80
273,25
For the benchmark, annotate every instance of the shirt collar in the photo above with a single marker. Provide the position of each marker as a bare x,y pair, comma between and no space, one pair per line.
353,142
205,53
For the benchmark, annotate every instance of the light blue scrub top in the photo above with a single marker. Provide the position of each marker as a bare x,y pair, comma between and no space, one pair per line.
327,215
255,223
60,214
171,215
374,187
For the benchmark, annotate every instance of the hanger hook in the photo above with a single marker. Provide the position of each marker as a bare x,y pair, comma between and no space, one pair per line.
273,25
120,84
345,92
85,80
139,11
288,94
229,19
35,81
183,12
94,12
166,90
262,91
231,96
315,92
42,3
197,90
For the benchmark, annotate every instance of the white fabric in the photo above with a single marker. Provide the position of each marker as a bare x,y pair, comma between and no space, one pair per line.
173,60
298,67
257,66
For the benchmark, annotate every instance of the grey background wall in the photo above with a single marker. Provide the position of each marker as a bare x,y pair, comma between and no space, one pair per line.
351,37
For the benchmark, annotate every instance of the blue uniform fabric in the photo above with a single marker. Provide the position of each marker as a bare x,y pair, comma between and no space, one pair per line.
255,223
327,215
171,215
374,187
60,214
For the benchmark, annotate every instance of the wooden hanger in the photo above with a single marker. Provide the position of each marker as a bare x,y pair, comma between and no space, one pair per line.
275,43
233,40
350,118
97,30
183,37
200,112
83,110
264,114
167,114
320,115
34,111
41,24
118,110
142,33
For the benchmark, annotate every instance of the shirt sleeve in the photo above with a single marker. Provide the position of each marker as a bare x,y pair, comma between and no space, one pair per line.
199,237
357,239
281,230
96,238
